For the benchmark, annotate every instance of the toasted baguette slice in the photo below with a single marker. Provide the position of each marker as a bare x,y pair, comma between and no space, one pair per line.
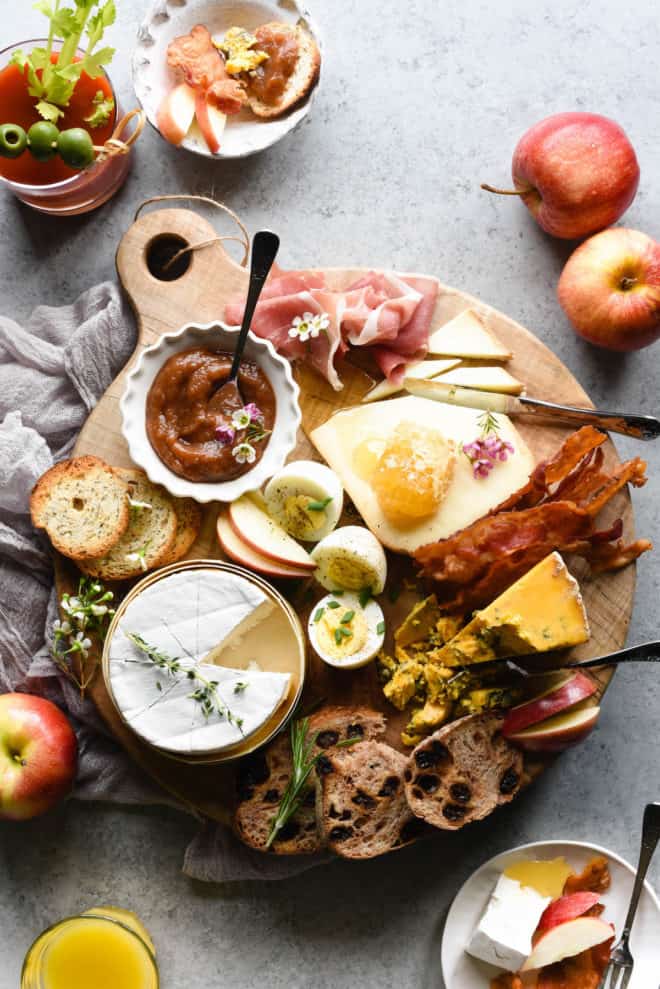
361,802
263,778
188,524
463,772
302,80
83,506
149,538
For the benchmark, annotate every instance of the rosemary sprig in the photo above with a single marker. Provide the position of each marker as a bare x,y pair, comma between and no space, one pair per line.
205,693
303,762
488,423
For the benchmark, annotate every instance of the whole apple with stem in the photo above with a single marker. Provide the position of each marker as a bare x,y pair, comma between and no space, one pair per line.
610,289
38,756
576,173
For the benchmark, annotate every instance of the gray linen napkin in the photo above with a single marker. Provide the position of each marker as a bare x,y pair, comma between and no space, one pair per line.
52,372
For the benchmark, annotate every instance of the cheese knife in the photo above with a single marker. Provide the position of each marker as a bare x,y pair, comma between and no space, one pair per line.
646,652
638,426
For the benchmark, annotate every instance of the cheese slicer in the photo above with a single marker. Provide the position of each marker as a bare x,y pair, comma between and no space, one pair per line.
640,427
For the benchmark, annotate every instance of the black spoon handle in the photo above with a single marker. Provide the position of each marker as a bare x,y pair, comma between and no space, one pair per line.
265,245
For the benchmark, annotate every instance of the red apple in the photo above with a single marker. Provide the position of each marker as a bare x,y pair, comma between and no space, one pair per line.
176,113
266,536
574,688
566,908
575,172
211,122
239,551
558,733
567,940
38,756
610,289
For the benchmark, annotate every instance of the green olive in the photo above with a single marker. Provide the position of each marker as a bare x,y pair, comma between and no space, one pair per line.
42,140
13,141
76,147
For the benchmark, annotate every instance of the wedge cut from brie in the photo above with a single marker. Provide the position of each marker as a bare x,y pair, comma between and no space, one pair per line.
503,936
189,617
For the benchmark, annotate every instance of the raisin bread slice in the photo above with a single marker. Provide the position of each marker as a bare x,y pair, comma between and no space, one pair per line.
263,778
361,802
463,772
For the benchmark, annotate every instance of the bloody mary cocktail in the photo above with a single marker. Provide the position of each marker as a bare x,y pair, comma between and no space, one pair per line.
52,186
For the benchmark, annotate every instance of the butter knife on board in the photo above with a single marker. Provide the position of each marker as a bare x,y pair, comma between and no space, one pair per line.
638,426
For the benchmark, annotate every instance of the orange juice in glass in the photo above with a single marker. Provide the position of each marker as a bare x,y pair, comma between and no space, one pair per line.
104,948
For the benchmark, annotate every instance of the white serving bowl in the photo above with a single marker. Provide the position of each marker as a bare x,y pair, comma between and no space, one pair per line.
165,20
217,336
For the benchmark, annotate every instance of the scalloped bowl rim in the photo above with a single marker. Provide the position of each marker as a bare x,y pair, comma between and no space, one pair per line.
278,128
285,430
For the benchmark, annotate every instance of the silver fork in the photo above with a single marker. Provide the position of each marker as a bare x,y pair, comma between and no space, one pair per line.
618,973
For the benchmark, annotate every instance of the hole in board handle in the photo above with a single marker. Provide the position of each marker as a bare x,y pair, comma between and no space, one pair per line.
159,253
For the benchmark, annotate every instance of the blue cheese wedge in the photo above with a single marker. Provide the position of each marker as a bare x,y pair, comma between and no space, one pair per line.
191,617
504,934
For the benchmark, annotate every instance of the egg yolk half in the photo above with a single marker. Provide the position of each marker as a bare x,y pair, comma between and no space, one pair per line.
303,522
341,632
413,473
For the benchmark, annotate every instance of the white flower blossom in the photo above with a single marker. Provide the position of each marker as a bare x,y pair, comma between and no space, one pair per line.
309,326
240,419
138,557
244,453
62,628
134,503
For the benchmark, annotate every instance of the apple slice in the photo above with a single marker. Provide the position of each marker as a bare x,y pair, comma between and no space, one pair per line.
264,535
574,688
566,908
176,113
240,552
567,940
558,733
211,122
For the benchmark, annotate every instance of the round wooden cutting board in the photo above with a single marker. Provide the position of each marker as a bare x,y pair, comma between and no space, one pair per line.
210,280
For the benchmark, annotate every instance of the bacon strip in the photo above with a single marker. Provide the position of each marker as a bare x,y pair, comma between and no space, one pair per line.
555,510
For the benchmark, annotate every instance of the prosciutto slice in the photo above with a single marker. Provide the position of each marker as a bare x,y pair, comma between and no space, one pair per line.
383,311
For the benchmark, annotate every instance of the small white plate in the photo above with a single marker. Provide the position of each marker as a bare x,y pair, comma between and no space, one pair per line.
461,971
217,336
165,20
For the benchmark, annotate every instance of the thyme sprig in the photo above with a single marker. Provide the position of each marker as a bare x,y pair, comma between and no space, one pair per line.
86,615
205,692
304,759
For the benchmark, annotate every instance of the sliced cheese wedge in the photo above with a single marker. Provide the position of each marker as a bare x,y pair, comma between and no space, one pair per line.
541,611
188,616
484,379
418,369
467,335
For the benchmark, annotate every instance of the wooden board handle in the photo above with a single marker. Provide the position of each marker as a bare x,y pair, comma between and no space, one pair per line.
198,295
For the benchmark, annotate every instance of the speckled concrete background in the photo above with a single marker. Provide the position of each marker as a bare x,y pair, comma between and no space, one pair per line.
420,102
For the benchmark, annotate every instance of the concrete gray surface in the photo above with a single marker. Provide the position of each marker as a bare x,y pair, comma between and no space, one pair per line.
420,102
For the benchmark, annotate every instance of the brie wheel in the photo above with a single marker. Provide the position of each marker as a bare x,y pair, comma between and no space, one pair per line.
191,616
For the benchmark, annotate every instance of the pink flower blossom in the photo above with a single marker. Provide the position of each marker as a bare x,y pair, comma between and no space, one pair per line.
255,413
482,467
225,435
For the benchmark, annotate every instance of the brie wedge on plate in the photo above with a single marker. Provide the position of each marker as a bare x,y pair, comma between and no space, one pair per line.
504,934
186,617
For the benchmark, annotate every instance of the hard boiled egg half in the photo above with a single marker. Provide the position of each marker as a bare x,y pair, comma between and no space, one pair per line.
350,559
346,633
306,498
